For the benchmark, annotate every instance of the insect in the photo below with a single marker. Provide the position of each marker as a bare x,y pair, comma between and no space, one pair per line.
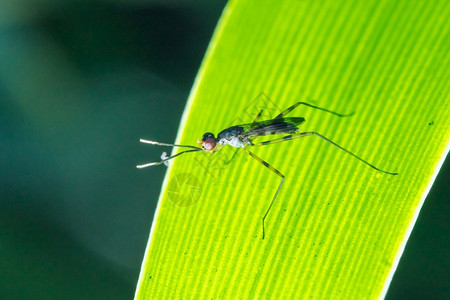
241,136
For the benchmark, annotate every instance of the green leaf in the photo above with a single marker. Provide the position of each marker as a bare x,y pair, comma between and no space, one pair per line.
338,227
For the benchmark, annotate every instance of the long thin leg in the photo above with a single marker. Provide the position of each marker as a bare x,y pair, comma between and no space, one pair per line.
302,134
278,189
258,116
291,108
232,157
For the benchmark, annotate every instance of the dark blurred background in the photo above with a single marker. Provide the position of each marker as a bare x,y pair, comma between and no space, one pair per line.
80,83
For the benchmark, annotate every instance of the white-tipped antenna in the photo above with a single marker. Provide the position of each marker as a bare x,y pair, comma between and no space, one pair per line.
149,165
164,158
167,145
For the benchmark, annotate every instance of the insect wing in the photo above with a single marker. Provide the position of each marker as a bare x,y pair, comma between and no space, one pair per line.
275,126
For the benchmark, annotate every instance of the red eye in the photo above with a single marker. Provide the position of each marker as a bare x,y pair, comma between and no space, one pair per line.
209,144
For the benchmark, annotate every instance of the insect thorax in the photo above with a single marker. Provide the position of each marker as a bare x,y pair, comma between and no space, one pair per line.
232,136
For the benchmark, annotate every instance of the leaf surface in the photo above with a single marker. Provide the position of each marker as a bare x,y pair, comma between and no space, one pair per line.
338,227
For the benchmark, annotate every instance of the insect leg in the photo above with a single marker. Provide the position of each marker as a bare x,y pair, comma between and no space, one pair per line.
302,134
258,116
291,108
278,189
232,157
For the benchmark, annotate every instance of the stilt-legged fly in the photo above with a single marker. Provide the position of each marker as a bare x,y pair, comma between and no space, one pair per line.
241,136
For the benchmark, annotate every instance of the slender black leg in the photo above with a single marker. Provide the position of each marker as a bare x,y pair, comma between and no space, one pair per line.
258,116
302,134
278,189
291,108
